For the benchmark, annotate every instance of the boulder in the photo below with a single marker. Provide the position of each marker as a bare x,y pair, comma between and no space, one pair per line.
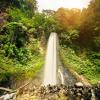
79,84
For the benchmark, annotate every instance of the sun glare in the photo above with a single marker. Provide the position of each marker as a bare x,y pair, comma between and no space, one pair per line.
74,4
55,4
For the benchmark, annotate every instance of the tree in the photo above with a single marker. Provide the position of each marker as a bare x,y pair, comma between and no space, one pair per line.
44,24
90,26
67,19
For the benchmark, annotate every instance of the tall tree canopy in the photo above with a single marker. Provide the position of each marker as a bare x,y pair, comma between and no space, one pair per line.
90,25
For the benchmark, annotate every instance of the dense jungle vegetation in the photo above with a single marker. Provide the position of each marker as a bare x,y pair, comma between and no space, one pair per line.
24,33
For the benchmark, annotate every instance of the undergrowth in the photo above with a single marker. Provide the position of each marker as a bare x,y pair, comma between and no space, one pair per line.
80,63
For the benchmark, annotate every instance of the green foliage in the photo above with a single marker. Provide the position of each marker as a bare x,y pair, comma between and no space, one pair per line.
14,33
82,65
68,36
67,19
15,42
23,28
34,46
13,69
96,43
95,59
15,14
20,56
89,28
26,6
44,24
80,39
19,51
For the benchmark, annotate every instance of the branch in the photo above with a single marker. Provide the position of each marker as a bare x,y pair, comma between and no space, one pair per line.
6,89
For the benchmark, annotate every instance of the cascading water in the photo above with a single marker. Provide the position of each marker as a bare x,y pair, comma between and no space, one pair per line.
50,70
54,72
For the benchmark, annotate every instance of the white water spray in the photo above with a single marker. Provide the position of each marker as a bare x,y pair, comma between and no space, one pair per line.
50,70
61,76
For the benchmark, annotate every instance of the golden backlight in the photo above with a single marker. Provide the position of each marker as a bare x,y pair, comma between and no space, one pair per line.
75,4
56,4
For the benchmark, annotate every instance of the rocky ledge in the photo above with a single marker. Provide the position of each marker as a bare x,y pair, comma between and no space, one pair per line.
59,92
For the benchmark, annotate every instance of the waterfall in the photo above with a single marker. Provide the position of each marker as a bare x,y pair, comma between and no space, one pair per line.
50,68
54,72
